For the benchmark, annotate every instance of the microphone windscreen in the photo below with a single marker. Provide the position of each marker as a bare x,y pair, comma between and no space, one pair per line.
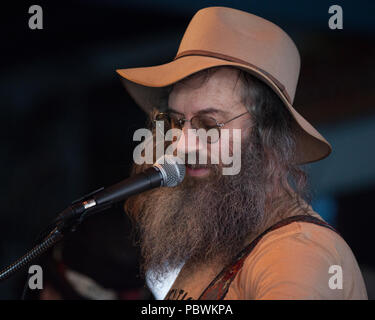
172,169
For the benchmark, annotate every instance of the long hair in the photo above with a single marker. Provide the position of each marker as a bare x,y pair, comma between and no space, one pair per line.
276,135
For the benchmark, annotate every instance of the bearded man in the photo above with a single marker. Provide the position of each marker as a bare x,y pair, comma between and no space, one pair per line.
251,235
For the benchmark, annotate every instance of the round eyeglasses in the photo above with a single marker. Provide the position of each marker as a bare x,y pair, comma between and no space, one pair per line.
171,121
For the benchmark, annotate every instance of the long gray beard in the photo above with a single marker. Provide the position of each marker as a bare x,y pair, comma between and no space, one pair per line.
201,220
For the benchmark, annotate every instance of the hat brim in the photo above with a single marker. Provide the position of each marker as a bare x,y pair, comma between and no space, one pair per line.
147,86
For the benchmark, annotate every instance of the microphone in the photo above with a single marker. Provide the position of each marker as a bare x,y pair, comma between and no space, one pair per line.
168,171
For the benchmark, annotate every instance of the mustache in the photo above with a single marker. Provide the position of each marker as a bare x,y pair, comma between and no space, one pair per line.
198,166
194,157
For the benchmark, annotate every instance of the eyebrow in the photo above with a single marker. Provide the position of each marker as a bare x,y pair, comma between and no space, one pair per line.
202,112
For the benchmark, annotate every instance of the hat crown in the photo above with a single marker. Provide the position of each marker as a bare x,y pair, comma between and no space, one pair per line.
237,35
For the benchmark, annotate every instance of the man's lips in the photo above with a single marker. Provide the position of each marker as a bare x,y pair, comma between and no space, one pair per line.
197,170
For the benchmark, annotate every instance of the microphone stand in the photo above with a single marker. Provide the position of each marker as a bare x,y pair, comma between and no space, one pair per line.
169,174
66,222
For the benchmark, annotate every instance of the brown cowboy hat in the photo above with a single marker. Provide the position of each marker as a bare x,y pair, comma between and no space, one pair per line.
219,36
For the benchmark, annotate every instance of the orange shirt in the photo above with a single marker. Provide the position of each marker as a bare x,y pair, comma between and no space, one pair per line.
292,262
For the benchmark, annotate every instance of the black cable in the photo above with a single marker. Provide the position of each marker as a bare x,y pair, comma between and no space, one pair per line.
67,221
38,250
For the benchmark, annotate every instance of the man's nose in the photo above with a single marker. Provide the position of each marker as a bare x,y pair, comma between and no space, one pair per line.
188,141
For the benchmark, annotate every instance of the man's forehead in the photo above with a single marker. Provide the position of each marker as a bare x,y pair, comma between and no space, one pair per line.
217,92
